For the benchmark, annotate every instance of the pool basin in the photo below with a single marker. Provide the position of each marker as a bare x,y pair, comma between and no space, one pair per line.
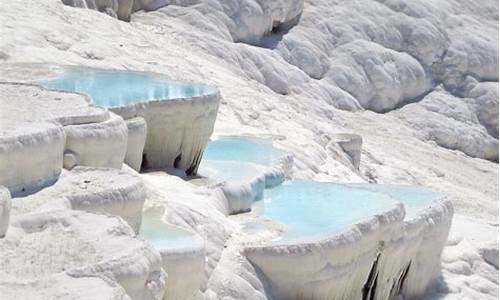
355,241
242,167
182,253
244,152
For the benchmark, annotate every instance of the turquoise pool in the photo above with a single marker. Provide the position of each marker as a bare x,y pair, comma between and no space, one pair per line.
312,209
164,236
121,88
243,149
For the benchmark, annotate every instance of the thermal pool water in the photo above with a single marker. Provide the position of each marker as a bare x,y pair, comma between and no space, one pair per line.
110,88
313,209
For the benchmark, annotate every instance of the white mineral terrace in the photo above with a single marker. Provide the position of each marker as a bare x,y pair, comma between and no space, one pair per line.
178,117
96,223
249,149
64,245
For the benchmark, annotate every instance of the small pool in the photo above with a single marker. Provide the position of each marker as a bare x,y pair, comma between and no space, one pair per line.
164,236
110,89
313,209
243,149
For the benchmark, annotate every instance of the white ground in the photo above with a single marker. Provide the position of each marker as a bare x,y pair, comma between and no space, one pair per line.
378,55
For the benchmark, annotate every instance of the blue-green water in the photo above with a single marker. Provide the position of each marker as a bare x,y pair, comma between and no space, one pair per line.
414,198
164,236
243,149
235,171
121,88
312,209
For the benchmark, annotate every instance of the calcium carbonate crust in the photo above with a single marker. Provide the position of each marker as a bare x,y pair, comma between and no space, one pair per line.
137,132
5,205
94,287
112,191
75,244
384,256
35,143
177,129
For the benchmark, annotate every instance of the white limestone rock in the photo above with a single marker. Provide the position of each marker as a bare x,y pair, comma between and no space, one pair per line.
177,130
351,144
79,245
109,191
195,209
32,141
137,132
201,48
57,287
452,123
5,204
98,144
120,9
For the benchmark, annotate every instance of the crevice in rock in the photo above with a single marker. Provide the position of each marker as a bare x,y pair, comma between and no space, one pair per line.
271,39
397,288
370,286
144,163
177,161
193,168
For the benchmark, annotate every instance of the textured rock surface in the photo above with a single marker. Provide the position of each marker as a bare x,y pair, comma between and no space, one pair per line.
177,130
32,141
78,245
101,144
109,191
57,286
5,204
273,89
120,9
136,138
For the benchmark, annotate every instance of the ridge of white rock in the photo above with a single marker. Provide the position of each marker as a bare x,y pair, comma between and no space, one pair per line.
97,144
137,132
5,205
75,244
177,129
112,191
34,141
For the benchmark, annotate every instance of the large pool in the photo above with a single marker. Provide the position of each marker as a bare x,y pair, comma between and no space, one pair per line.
121,88
243,149
312,209
164,236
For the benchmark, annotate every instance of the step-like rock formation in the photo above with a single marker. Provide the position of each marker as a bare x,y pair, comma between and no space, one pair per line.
65,246
39,126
